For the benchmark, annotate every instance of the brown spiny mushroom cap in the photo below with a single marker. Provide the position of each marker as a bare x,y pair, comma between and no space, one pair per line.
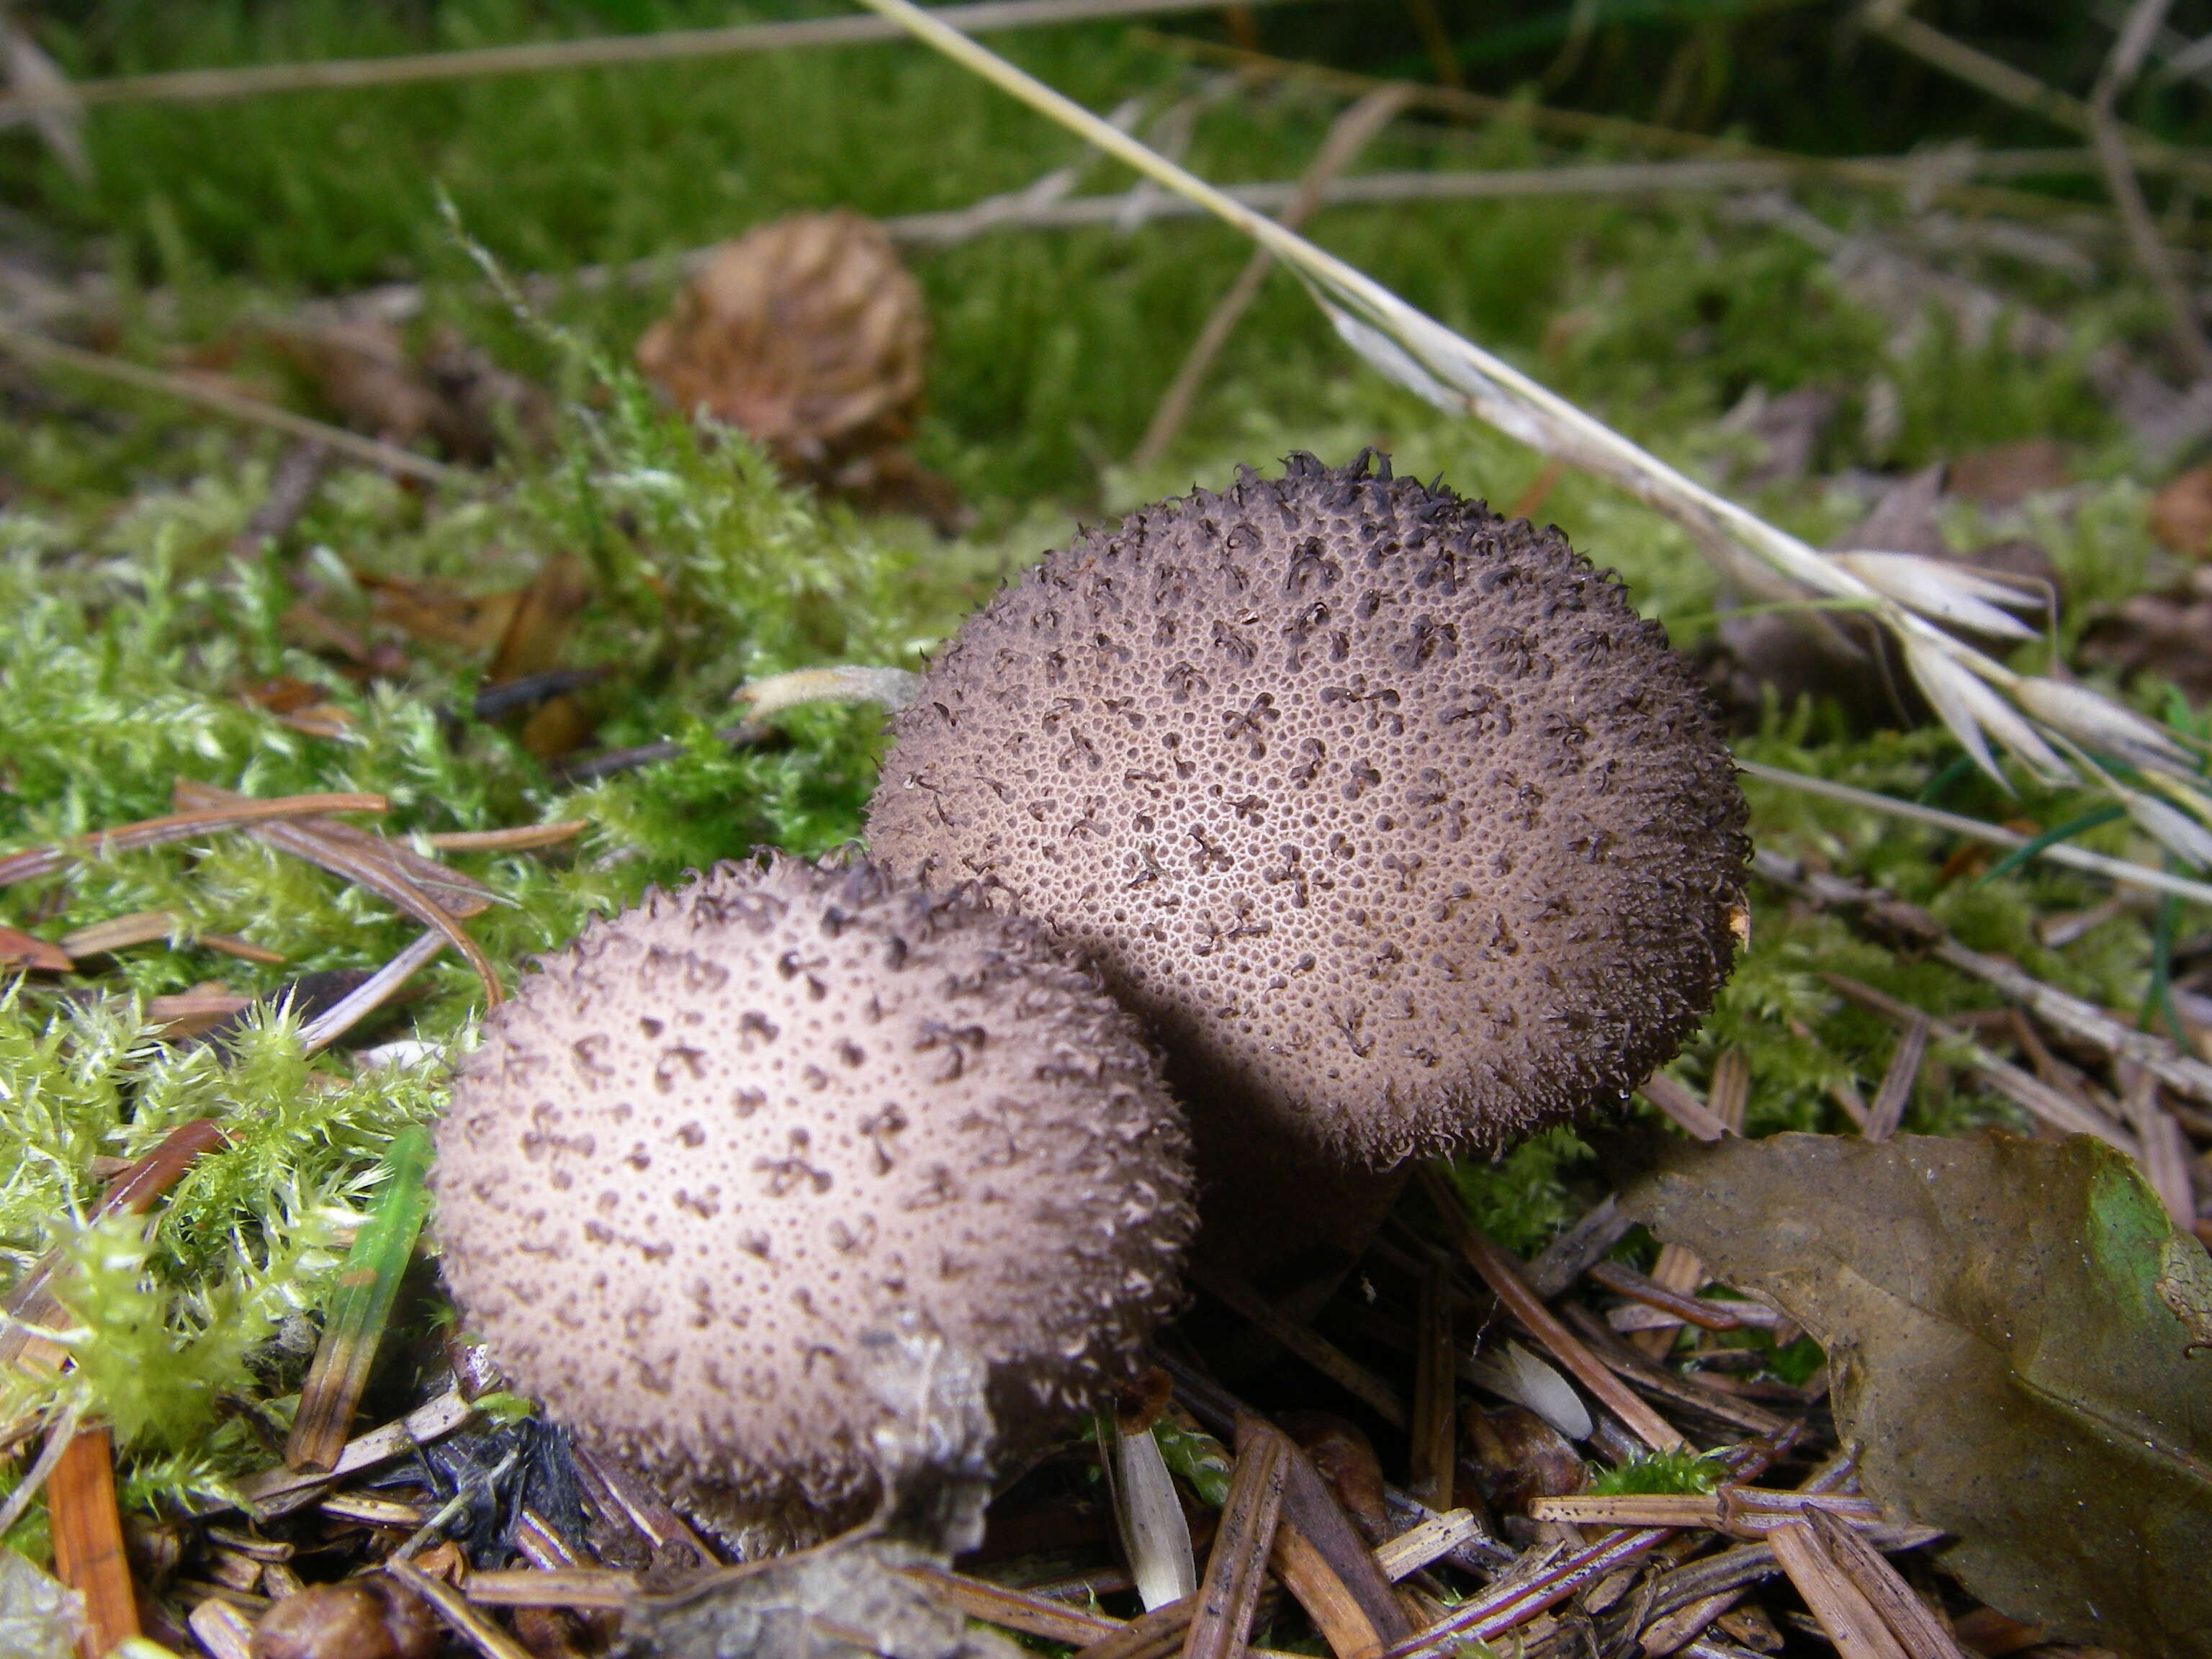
719,1137
1396,823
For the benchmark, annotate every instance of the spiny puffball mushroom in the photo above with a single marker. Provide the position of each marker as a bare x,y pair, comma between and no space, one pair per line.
719,1137
1399,829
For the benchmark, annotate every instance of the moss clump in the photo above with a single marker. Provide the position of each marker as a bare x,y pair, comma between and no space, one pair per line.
1521,1197
1658,1471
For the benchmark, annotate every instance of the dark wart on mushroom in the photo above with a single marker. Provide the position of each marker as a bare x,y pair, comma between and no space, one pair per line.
720,1138
1398,826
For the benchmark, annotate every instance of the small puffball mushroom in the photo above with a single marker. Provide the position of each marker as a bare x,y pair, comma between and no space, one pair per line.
721,1137
1400,829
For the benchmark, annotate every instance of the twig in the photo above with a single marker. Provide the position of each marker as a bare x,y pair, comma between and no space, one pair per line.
2112,147
2121,870
1889,1101
1023,209
1572,1254
392,872
1348,135
623,1497
470,1493
457,894
291,487
1845,1615
87,1536
58,1438
1509,1603
1428,1541
1149,1635
372,994
1679,1101
1641,1372
603,1588
1730,1096
2035,1097
1885,916
1918,1632
453,1607
1503,1275
1738,1510
203,86
280,1490
1322,1561
1889,19
508,840
595,767
222,1629
43,353
1221,1621
1316,1350
177,826
1909,172
118,933
1624,1281
1435,1452
20,950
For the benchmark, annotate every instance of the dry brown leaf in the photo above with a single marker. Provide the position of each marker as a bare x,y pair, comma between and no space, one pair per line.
298,705
2009,473
1519,1457
2168,634
443,613
453,392
536,636
364,373
2181,513
2021,1348
806,332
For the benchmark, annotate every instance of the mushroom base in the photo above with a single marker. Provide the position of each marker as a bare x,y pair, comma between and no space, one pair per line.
751,1529
1288,1219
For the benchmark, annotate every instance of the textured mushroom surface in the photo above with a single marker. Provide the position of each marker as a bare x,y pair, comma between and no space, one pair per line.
721,1136
1399,828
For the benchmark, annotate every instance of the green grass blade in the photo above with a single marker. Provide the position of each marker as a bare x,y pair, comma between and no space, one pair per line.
2035,844
381,1251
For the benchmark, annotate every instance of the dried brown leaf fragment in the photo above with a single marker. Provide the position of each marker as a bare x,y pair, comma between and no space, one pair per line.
2019,1341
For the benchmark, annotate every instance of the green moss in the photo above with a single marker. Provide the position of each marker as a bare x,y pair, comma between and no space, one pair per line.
1519,1198
1658,1471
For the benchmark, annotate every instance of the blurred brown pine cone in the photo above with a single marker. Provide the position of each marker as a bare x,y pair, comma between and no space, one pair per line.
807,333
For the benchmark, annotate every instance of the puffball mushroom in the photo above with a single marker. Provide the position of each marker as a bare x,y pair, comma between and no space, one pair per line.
1399,828
721,1136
